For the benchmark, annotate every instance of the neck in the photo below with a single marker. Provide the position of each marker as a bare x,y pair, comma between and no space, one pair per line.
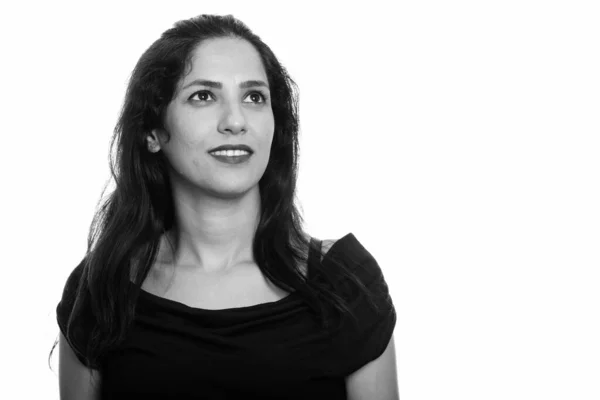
214,236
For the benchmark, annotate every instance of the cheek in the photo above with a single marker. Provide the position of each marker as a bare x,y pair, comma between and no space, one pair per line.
266,146
187,154
270,133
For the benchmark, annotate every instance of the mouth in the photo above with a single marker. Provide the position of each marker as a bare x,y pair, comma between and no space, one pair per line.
233,159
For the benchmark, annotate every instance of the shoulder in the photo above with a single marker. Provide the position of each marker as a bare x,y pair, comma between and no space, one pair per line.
71,287
349,251
355,258
326,244
75,325
348,247
72,283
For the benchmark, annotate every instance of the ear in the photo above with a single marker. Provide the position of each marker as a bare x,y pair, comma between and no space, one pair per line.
152,140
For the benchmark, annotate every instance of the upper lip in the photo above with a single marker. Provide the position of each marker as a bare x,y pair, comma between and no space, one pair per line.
232,147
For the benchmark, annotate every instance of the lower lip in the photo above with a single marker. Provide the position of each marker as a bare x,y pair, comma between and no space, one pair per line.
233,159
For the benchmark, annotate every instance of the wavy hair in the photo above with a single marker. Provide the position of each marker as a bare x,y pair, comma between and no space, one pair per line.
130,222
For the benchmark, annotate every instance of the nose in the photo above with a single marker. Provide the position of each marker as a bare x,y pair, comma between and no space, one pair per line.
233,120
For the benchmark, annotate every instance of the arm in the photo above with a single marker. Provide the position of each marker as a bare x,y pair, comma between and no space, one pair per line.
377,380
74,378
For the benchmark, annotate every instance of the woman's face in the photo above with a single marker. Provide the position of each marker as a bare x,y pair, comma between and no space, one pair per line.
201,117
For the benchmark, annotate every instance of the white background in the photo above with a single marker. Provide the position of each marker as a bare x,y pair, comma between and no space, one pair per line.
458,140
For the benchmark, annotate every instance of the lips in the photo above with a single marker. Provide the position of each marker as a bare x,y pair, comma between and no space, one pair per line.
232,147
233,159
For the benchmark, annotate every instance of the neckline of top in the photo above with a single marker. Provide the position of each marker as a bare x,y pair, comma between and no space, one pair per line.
291,296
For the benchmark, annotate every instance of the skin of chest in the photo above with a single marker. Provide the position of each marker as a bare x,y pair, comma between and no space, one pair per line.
245,285
242,286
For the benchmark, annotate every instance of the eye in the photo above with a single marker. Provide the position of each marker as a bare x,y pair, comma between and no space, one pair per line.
202,93
261,96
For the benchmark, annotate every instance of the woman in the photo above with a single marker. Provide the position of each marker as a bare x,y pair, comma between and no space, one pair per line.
199,280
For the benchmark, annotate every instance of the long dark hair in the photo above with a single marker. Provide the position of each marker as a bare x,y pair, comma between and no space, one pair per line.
129,224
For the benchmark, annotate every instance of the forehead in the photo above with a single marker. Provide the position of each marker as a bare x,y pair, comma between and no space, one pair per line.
226,58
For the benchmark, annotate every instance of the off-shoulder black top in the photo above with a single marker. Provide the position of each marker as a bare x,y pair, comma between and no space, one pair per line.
273,350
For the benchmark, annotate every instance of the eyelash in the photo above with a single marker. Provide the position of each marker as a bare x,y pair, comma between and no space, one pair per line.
263,95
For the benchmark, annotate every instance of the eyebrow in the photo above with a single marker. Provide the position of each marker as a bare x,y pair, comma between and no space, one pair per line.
219,85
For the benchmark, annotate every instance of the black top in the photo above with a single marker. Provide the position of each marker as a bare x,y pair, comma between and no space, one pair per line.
271,350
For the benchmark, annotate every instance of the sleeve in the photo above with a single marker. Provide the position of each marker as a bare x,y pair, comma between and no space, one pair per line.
365,340
82,325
